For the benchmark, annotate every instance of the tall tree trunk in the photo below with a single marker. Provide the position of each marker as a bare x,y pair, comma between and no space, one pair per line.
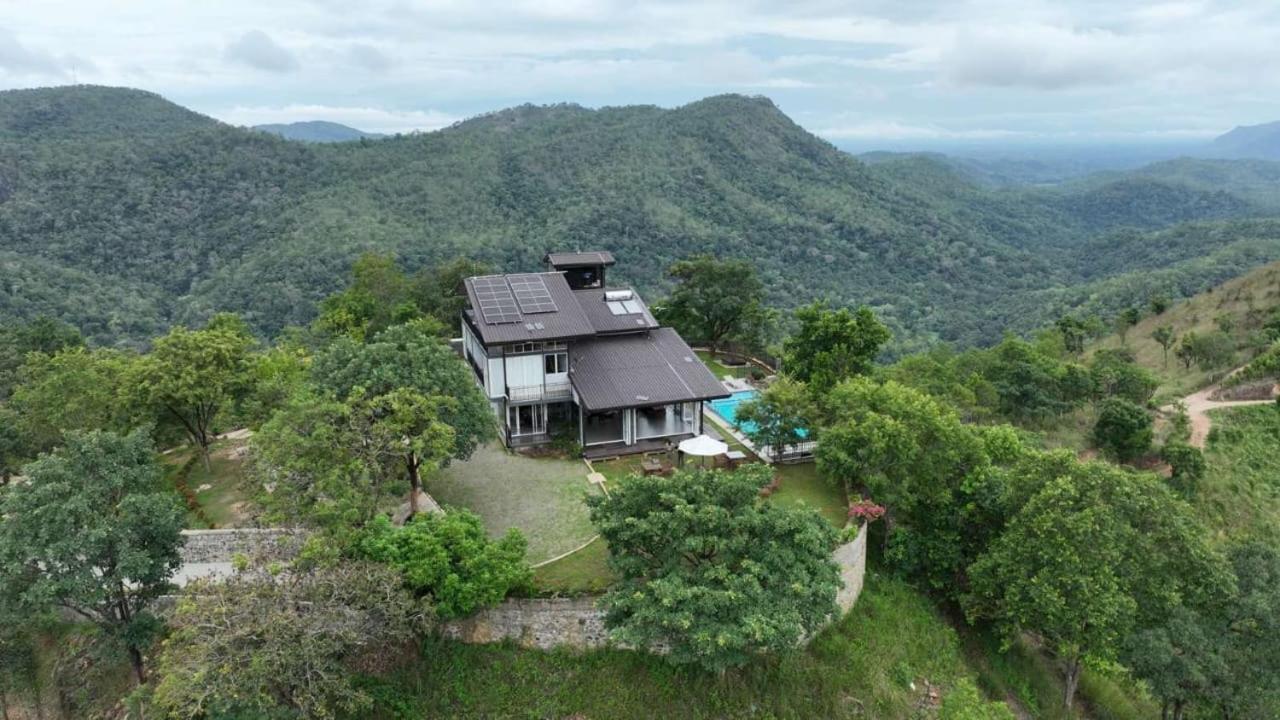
1179,706
1073,680
414,483
1164,710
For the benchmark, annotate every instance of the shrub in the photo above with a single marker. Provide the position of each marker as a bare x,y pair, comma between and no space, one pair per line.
449,558
1123,429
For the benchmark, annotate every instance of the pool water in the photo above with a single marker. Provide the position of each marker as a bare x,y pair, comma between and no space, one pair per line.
727,408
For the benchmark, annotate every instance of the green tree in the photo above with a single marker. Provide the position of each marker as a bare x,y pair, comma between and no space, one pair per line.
1123,430
1032,385
404,429
1073,332
1125,320
1187,466
449,559
1212,351
711,572
379,296
1248,628
779,417
1165,336
439,293
715,301
75,389
1115,373
43,335
1158,303
1096,554
191,375
932,472
1186,350
409,356
1180,660
93,531
283,644
832,345
317,466
13,448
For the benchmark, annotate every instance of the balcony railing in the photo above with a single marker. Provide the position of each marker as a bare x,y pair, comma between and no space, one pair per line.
550,391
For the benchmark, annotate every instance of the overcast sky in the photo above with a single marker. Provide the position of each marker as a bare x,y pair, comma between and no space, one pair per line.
897,71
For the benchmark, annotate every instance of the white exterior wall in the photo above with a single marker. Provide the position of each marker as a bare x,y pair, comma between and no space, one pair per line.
496,379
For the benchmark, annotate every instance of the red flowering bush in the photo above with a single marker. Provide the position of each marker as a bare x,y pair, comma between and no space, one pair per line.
865,511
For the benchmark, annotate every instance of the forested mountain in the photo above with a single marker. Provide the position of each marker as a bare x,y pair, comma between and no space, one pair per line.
123,213
1251,141
318,131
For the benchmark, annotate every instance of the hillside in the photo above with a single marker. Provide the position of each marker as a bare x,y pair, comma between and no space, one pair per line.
1251,141
123,195
1241,303
318,131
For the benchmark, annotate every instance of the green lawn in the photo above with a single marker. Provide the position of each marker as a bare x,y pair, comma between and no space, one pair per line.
585,571
719,369
801,485
872,664
542,497
220,493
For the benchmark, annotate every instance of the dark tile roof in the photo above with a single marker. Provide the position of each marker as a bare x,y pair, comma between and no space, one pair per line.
604,321
568,321
578,259
650,368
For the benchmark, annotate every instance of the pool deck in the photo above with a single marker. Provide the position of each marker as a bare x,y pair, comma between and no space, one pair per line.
802,453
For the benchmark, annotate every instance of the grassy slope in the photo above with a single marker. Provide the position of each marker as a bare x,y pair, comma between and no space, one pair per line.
863,667
1241,490
1257,290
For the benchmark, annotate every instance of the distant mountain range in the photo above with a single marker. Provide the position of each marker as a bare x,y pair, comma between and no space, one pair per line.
316,131
1251,141
124,213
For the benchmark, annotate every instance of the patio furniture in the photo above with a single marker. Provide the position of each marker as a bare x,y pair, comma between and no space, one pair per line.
734,458
702,446
651,465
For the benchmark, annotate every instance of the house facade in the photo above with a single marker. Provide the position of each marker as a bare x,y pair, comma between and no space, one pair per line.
561,354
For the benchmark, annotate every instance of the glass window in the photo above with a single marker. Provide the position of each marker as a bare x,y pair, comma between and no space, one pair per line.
557,363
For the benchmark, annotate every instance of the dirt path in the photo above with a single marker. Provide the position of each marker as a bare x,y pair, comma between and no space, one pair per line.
1198,406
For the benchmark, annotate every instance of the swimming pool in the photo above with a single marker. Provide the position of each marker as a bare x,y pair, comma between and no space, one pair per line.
727,408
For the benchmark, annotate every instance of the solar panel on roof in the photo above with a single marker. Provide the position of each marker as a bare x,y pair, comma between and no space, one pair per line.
497,305
531,293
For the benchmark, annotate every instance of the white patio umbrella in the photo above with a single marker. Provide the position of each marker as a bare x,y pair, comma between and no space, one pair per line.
702,446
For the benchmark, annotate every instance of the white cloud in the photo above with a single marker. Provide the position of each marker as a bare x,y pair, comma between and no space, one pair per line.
926,66
257,50
369,119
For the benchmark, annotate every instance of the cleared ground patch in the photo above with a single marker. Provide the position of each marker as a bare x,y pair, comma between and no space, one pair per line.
218,492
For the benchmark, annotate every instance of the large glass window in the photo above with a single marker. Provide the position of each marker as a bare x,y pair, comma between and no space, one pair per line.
526,420
605,427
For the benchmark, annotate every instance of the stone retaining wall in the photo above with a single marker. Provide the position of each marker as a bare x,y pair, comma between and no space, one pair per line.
221,546
578,623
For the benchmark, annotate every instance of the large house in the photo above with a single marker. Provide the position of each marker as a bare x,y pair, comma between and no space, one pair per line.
562,353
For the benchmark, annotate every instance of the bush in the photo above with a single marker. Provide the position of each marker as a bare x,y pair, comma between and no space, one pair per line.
1123,429
964,703
448,558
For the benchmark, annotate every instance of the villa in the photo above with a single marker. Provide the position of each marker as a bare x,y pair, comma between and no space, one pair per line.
560,353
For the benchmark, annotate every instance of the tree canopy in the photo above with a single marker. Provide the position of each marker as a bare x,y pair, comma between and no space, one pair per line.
832,345
93,531
710,573
1094,555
